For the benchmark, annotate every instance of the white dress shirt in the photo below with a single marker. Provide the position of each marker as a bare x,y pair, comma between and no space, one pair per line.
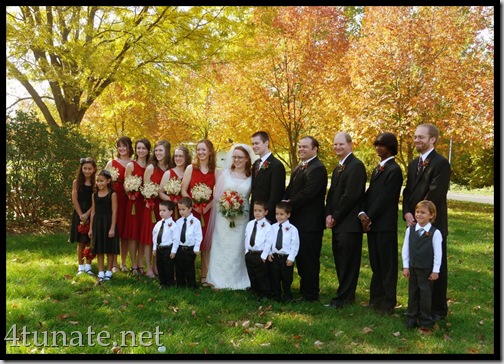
290,242
194,233
171,235
261,239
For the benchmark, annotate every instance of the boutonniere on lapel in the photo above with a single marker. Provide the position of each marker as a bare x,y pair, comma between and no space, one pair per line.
427,234
169,224
191,221
379,169
341,168
262,225
287,228
265,165
425,163
303,166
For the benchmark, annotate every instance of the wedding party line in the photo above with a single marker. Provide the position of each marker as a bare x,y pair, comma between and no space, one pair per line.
251,228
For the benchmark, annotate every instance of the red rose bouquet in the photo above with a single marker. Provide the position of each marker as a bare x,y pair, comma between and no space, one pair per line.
231,205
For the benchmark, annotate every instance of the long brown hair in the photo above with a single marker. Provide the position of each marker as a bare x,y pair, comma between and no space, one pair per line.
80,178
167,161
127,142
248,165
212,159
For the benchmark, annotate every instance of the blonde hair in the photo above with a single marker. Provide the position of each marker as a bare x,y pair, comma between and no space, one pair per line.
429,205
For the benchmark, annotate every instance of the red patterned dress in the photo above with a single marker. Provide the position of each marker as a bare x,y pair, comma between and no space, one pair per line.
147,221
133,218
208,179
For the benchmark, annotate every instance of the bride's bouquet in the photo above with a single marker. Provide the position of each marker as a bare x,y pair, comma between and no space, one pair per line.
173,188
231,206
132,185
201,195
150,191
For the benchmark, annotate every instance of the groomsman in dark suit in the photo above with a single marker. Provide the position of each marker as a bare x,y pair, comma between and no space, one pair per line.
429,179
379,220
268,176
306,193
344,200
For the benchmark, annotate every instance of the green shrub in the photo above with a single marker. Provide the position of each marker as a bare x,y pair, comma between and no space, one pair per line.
41,165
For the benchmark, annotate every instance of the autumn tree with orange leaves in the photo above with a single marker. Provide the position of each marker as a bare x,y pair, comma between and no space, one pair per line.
413,65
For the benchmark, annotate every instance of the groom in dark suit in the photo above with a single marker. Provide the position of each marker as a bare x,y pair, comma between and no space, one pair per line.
268,176
379,220
429,179
344,200
306,193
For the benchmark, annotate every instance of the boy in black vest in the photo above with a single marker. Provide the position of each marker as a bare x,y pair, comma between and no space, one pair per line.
421,254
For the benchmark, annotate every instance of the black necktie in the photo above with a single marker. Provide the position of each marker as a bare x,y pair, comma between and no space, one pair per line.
419,166
182,232
160,234
253,235
278,244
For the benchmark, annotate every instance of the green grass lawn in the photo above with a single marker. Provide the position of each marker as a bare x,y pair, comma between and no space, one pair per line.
44,296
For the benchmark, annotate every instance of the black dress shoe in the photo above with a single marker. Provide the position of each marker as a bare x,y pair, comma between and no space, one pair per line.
438,317
305,299
411,324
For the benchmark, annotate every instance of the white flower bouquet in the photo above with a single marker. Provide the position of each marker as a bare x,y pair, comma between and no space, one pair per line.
114,172
150,191
132,186
201,195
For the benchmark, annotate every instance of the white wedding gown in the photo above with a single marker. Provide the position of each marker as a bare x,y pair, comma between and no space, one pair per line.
226,268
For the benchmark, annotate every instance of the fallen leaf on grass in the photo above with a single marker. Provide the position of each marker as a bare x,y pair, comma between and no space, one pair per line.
446,337
140,305
268,325
296,345
246,324
367,330
318,343
174,309
257,324
68,276
297,337
73,322
105,302
193,313
265,344
425,331
396,334
481,322
63,316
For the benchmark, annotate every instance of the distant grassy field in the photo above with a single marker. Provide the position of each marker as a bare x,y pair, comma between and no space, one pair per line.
44,296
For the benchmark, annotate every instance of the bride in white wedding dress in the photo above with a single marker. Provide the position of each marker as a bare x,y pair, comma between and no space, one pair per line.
226,268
